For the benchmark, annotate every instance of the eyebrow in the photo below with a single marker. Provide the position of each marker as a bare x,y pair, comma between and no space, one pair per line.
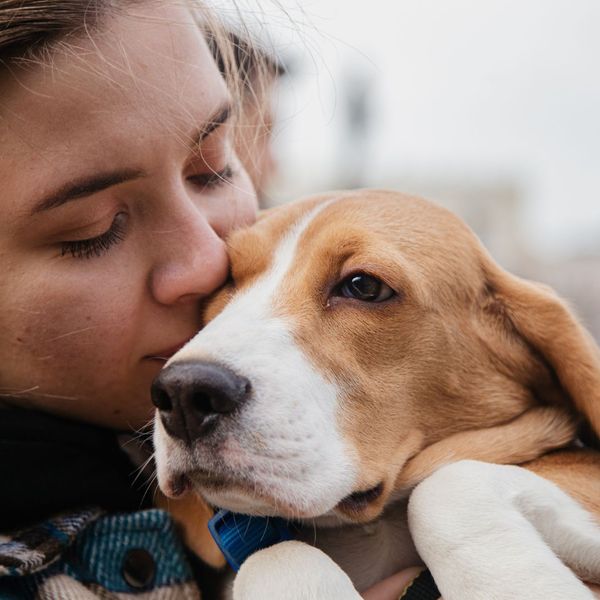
86,186
220,117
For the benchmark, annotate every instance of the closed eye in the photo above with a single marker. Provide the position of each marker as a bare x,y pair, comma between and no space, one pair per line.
99,245
213,179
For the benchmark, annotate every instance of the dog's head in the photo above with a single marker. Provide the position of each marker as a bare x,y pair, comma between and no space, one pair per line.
358,329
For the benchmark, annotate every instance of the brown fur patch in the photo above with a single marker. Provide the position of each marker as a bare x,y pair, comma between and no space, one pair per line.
192,514
575,471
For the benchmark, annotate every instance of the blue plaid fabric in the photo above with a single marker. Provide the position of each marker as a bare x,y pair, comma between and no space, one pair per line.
92,554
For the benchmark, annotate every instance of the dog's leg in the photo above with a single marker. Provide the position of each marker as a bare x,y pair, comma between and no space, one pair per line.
492,532
292,571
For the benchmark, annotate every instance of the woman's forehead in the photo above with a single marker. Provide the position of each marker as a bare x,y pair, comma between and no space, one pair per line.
148,69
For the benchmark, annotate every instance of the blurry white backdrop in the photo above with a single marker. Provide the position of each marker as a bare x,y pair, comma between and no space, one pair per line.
490,107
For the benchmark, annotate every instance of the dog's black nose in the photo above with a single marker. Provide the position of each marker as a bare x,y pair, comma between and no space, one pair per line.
192,395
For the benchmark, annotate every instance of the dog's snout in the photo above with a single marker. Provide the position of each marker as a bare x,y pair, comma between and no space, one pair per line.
192,395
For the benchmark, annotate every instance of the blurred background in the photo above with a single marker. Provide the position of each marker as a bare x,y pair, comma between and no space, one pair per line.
490,108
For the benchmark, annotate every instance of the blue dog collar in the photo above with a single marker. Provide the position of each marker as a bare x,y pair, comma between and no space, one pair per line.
238,536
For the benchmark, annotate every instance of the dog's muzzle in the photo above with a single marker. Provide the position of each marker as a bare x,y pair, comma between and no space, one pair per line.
192,396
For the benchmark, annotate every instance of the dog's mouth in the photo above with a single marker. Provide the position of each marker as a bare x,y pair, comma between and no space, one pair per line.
214,487
357,502
237,494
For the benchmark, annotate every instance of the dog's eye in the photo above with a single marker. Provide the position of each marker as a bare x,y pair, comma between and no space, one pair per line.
367,288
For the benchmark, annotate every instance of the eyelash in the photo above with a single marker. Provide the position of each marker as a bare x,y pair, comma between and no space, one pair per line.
96,247
214,178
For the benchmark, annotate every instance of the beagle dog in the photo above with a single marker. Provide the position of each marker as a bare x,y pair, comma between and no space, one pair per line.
363,368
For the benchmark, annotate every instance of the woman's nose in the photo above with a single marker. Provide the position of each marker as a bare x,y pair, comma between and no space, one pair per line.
191,262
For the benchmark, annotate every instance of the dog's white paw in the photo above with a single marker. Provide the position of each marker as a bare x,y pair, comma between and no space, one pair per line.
500,532
292,571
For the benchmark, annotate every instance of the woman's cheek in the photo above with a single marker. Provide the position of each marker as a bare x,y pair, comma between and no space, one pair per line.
245,202
68,322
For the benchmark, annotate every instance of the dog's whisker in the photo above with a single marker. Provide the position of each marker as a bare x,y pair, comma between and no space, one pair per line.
151,484
139,438
140,470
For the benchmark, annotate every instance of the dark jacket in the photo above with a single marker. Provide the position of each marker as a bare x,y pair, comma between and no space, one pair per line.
74,524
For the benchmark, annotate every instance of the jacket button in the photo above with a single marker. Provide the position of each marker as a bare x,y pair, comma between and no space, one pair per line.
138,568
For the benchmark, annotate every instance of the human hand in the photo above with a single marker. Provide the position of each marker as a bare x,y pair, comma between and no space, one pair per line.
392,587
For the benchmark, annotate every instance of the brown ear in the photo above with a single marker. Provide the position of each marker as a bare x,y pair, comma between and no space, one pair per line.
545,322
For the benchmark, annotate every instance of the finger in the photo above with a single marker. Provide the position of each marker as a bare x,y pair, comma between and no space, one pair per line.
595,588
393,587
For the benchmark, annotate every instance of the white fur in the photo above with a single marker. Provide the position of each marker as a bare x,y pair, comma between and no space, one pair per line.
286,441
266,576
497,532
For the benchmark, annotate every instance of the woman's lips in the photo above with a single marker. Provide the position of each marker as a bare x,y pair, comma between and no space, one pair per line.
165,355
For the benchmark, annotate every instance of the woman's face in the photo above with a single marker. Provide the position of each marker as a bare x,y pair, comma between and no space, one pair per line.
118,185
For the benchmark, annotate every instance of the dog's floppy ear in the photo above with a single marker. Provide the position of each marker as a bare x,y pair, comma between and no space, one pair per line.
545,322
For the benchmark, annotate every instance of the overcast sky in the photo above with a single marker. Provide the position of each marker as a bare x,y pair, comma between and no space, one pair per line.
505,89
